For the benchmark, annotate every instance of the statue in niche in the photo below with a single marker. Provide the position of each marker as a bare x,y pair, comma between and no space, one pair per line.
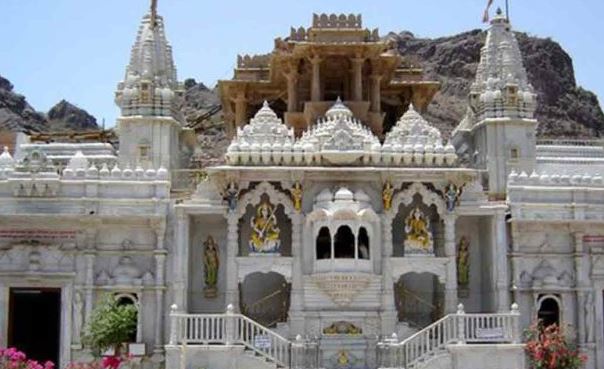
77,316
451,196
588,306
231,195
387,194
418,239
297,192
463,263
265,231
211,263
342,360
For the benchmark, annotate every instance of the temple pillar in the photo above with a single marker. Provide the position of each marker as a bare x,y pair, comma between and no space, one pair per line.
296,298
451,281
160,259
315,86
232,275
180,260
240,109
376,98
292,91
389,314
500,255
357,78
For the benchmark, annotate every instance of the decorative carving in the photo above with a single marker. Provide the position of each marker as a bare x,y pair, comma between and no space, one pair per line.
126,272
451,195
463,263
342,288
418,236
387,194
588,307
344,328
211,263
265,230
78,303
297,193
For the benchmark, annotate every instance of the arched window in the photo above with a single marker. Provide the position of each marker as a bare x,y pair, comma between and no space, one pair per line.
323,244
344,243
128,299
549,311
363,244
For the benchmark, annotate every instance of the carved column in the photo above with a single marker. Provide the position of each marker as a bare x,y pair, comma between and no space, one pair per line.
357,78
232,274
389,315
240,109
315,86
180,260
292,91
450,252
376,98
500,256
160,265
89,256
297,321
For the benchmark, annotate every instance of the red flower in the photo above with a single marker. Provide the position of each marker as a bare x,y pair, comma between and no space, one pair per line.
112,362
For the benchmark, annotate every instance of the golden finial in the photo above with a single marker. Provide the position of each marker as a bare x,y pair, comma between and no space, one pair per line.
153,13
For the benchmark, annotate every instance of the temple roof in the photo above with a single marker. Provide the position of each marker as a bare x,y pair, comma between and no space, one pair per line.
150,86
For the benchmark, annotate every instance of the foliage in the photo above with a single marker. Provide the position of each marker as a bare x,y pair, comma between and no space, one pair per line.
548,348
107,362
11,358
111,324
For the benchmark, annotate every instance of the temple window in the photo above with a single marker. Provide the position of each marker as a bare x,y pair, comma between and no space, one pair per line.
363,244
323,244
549,311
124,299
344,243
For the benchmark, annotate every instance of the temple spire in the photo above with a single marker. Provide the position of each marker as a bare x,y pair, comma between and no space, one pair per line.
153,13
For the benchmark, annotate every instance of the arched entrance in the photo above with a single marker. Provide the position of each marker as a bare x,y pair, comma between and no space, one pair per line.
264,297
549,311
419,299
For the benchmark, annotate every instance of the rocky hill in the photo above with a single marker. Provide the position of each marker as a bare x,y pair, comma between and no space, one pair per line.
564,109
16,115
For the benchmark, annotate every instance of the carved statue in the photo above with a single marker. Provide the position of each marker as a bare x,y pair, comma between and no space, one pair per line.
231,194
77,316
297,192
463,262
265,231
343,361
211,263
342,327
588,306
451,196
418,236
387,195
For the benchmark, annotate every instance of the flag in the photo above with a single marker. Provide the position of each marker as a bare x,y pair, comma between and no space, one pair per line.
485,16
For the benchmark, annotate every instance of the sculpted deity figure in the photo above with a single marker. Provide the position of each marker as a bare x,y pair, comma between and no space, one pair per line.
451,196
418,236
211,263
77,316
297,192
463,262
343,360
387,195
588,306
265,231
231,194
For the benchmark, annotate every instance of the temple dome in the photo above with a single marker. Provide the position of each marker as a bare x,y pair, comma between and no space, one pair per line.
414,130
6,160
339,110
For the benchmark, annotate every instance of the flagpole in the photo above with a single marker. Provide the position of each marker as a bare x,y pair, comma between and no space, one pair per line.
507,10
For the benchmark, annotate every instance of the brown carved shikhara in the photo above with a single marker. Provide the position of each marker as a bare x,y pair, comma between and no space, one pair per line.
307,71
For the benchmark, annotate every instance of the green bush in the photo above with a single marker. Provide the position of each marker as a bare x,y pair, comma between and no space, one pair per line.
111,324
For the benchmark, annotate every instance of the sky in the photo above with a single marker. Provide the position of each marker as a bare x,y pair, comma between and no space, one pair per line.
78,49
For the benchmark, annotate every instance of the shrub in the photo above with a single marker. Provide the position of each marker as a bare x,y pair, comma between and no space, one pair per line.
548,348
111,324
11,358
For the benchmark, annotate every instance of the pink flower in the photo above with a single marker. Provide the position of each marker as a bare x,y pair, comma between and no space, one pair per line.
49,365
112,362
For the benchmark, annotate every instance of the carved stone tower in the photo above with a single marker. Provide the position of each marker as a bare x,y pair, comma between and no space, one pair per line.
498,131
150,125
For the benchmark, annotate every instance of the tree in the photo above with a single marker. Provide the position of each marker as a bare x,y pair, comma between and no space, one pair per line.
111,324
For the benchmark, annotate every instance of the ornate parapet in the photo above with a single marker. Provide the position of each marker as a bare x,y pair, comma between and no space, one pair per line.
253,61
337,21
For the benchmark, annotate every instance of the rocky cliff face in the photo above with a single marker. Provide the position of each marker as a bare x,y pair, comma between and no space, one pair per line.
564,110
16,115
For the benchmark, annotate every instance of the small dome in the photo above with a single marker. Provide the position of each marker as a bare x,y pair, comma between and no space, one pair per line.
265,113
361,196
324,195
338,110
343,194
78,161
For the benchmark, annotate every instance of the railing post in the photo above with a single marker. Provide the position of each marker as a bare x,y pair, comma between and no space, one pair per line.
515,323
229,325
173,324
461,324
387,357
298,353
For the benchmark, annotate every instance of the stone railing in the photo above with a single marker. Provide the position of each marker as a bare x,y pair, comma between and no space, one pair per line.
459,328
231,328
337,21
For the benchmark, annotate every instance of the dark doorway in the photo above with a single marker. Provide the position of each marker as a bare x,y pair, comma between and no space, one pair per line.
344,243
34,323
324,244
549,312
